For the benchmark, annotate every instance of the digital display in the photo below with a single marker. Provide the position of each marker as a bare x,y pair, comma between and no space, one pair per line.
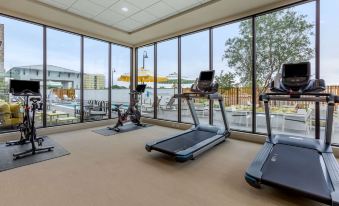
206,75
140,88
296,70
23,87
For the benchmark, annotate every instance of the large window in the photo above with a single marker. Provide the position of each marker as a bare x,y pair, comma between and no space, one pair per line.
194,58
21,52
146,76
329,59
167,53
285,36
95,80
232,62
121,74
63,77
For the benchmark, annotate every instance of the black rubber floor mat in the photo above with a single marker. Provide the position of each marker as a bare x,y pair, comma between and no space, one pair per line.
126,128
6,154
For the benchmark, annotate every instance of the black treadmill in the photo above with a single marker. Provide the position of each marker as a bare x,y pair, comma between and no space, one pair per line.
199,138
292,162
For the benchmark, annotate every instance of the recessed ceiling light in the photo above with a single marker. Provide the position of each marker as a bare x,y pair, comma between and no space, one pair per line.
125,9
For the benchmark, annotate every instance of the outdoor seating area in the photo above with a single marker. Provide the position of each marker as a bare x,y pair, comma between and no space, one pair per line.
169,102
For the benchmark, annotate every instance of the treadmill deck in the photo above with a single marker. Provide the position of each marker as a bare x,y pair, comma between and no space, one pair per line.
297,168
184,141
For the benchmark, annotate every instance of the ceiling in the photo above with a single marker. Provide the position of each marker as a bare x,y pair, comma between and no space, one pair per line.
197,14
126,15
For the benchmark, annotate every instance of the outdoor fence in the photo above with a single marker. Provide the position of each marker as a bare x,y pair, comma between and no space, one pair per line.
243,96
61,93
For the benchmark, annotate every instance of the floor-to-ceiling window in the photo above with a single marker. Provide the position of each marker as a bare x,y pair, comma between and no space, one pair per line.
232,62
329,57
95,80
21,57
167,75
194,58
146,76
63,77
285,36
121,77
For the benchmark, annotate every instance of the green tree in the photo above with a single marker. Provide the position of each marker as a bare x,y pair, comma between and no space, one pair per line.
281,37
225,80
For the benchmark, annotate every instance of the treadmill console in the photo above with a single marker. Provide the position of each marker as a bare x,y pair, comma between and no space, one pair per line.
205,83
296,76
295,79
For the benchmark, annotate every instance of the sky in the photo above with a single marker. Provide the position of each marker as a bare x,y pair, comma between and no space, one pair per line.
23,46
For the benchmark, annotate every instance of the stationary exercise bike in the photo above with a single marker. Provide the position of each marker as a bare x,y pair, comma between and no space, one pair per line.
132,113
27,127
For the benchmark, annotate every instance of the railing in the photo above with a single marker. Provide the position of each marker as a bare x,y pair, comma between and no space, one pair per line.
243,96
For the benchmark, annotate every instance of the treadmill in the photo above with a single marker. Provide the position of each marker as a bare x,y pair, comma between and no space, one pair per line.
300,164
191,143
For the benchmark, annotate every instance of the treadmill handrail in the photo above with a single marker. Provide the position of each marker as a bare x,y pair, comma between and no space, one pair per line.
329,98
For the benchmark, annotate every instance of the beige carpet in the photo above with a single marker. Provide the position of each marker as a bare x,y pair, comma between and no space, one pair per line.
117,170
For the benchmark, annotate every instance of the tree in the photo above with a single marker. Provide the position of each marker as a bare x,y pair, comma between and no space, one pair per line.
281,37
225,80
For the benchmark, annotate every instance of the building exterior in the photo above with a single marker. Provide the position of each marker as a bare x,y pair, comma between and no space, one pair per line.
65,78
57,77
94,81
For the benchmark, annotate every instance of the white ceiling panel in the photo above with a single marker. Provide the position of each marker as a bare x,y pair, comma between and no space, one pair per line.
138,13
88,7
81,13
142,4
109,17
144,17
161,9
181,5
104,3
117,8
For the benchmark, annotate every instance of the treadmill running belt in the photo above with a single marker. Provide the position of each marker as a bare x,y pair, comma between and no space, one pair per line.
184,141
297,168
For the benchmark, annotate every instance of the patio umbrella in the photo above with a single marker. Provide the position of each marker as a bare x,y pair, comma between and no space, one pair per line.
144,75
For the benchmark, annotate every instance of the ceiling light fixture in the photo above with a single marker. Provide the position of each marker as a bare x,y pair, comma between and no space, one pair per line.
125,9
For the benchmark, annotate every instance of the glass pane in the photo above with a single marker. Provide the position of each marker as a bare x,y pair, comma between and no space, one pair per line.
21,57
285,36
167,79
121,66
63,78
232,61
329,59
146,76
194,58
95,80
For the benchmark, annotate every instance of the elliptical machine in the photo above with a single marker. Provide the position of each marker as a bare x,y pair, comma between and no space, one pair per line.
132,111
27,127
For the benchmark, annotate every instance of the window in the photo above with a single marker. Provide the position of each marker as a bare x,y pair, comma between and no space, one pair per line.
21,49
329,59
121,76
95,80
194,58
285,36
146,76
167,53
232,62
63,94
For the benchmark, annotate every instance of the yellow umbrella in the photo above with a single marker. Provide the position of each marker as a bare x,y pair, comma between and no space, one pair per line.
144,75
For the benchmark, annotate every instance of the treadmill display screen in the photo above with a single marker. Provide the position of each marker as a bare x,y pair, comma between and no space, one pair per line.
296,70
206,75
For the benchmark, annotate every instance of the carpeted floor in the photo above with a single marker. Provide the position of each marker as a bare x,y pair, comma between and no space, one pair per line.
118,171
